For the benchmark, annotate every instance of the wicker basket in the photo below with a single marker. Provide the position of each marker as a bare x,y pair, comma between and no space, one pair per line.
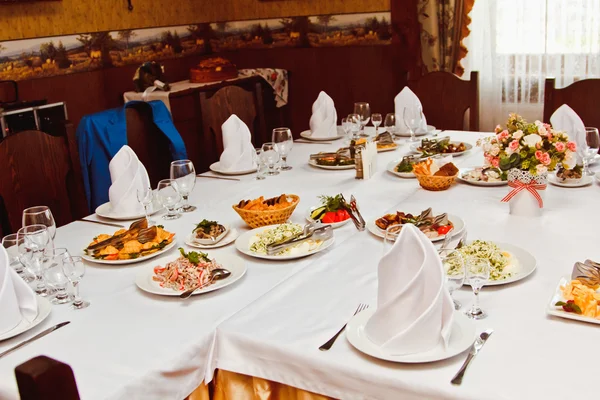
435,183
257,219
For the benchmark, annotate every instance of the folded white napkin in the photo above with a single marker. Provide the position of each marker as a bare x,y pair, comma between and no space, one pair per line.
128,175
323,122
414,308
566,120
407,99
17,300
238,151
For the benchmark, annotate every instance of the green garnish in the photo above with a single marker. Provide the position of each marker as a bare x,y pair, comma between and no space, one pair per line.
569,306
193,256
160,226
205,225
334,203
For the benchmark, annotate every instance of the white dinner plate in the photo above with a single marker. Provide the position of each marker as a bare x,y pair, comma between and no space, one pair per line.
333,224
209,242
458,223
43,306
468,146
477,183
559,312
306,135
216,167
585,181
133,260
233,264
462,337
430,130
231,235
105,211
330,167
242,244
391,168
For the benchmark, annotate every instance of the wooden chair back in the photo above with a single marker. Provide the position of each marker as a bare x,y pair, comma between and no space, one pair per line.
218,107
43,378
446,98
38,169
580,96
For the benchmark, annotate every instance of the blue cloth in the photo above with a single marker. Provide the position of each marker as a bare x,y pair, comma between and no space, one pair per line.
100,136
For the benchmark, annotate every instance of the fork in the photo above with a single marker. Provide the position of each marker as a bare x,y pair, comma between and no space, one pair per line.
331,341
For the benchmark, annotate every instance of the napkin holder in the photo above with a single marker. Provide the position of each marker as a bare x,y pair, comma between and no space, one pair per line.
587,272
365,160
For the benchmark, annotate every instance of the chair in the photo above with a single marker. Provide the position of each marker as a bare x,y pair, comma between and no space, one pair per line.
580,96
38,169
43,378
216,108
446,98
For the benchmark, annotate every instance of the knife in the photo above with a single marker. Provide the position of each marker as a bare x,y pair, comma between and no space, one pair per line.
36,337
477,345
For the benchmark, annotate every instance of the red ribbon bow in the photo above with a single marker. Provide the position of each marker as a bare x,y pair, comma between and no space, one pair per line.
532,188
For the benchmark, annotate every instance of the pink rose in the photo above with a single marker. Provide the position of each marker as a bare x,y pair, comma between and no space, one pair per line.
495,162
498,129
546,159
503,135
538,155
514,145
572,146
548,128
560,146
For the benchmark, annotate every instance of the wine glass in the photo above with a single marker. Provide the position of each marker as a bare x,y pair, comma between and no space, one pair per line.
145,196
10,243
169,198
347,127
261,167
354,122
74,269
282,137
412,118
589,150
183,176
477,274
40,215
270,157
376,119
454,266
32,242
391,234
390,123
54,275
363,110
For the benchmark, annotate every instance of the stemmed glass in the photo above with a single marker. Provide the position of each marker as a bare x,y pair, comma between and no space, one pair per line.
40,215
270,157
169,198
54,275
260,166
478,273
347,127
391,234
376,119
412,118
11,244
283,140
454,266
588,151
354,124
145,196
74,269
390,123
32,242
364,112
183,176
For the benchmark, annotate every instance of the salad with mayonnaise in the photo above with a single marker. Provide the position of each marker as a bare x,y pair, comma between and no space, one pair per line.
260,241
503,264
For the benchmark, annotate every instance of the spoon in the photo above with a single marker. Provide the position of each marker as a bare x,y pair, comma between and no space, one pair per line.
215,275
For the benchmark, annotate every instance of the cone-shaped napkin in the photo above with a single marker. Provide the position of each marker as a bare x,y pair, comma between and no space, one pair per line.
238,152
414,308
323,122
407,99
128,175
17,300
566,119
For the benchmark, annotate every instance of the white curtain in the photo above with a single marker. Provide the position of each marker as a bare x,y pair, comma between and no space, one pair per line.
516,44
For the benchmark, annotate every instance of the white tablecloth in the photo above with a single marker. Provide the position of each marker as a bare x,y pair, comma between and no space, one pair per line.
129,344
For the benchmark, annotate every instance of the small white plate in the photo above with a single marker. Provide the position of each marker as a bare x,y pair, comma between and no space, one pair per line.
391,168
105,211
242,244
468,146
43,306
133,260
232,234
463,171
458,223
559,312
210,242
430,130
216,167
584,181
313,163
462,337
306,135
387,149
333,224
233,264
526,260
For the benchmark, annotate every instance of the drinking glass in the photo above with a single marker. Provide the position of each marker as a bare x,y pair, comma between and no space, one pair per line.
183,175
261,167
32,242
376,119
588,151
169,198
364,112
54,275
74,269
454,266
283,140
477,274
391,234
390,123
347,127
412,118
354,121
40,215
11,244
270,157
145,196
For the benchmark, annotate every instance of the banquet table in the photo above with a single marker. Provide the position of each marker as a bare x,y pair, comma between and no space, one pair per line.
130,344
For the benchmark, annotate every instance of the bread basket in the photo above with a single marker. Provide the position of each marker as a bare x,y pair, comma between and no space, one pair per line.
435,183
256,219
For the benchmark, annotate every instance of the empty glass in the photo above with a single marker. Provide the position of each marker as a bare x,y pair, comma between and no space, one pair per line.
270,157
169,198
74,269
390,123
354,124
364,112
261,167
40,215
454,266
412,118
376,119
589,150
183,175
54,274
145,196
391,234
32,242
477,274
283,140
10,243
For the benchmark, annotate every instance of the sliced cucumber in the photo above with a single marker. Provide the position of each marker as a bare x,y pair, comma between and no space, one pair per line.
318,213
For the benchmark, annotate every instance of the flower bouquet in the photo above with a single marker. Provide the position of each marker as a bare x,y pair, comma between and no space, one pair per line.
525,152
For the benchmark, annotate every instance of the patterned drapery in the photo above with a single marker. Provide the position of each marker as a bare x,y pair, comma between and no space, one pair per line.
444,25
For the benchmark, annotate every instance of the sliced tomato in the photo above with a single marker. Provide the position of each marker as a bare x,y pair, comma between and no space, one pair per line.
442,230
342,215
112,256
329,217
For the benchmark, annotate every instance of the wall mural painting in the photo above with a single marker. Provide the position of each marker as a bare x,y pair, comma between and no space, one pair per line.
51,56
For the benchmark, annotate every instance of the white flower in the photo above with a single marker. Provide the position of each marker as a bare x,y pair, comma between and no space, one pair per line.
518,134
541,129
541,169
570,160
487,147
532,140
495,150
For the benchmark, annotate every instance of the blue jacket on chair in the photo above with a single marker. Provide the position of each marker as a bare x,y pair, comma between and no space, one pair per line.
101,135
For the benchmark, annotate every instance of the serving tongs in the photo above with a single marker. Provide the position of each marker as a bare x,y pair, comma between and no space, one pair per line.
587,272
311,232
342,154
139,227
434,144
352,208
